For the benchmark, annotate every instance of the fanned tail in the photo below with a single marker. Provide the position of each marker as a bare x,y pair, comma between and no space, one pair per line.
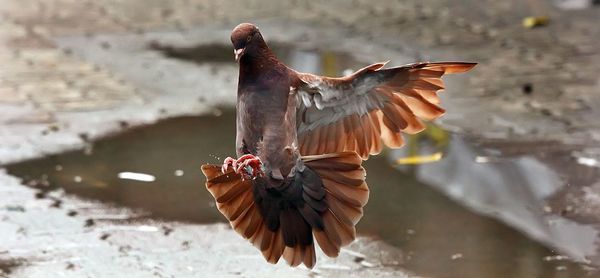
323,201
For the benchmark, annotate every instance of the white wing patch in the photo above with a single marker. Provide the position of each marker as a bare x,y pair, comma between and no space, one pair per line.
328,104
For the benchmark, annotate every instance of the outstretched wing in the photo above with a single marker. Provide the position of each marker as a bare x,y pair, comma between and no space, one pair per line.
359,111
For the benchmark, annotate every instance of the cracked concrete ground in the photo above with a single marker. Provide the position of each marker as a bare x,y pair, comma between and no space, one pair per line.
531,84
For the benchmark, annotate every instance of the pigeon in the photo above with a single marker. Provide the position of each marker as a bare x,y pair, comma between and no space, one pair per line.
301,139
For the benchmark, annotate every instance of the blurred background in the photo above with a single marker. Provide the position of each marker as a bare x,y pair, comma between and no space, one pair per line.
108,109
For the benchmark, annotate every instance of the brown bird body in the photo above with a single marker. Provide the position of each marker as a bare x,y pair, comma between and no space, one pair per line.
301,139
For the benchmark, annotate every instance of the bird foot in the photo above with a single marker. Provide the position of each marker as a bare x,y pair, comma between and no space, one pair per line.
249,166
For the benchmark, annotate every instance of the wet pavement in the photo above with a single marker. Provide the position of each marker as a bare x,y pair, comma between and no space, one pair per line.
439,237
525,119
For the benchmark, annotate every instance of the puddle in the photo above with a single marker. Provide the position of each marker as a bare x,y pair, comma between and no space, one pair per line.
303,60
438,236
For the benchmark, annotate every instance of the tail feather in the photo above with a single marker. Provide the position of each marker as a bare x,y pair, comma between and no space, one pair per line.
259,236
267,240
329,245
222,185
294,228
236,208
310,259
345,213
323,203
312,216
275,249
354,196
294,255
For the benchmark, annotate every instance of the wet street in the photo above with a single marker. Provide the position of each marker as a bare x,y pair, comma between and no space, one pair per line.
401,211
107,114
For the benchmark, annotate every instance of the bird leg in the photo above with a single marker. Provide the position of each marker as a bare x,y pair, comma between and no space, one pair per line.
248,165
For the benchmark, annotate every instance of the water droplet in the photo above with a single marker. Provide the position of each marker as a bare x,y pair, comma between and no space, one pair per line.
136,176
555,258
456,256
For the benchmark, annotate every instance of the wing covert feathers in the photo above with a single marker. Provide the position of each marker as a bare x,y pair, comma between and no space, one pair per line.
323,203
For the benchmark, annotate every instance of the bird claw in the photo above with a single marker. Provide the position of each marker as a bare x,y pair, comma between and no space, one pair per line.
249,166
229,162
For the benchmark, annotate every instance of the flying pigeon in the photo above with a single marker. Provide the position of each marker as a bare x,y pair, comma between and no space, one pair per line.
301,139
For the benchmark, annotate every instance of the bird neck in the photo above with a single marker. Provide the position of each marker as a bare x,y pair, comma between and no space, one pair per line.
257,61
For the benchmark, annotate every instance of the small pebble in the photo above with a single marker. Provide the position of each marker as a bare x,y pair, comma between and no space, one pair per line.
527,88
89,222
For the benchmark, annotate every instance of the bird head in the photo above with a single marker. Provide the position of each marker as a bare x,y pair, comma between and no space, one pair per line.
245,37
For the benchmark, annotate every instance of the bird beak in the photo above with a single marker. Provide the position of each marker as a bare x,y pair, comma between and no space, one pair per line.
238,54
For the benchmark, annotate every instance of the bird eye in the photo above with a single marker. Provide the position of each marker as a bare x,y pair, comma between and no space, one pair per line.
249,38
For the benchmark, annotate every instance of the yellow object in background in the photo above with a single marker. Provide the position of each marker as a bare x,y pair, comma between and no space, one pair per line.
420,159
433,133
535,21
